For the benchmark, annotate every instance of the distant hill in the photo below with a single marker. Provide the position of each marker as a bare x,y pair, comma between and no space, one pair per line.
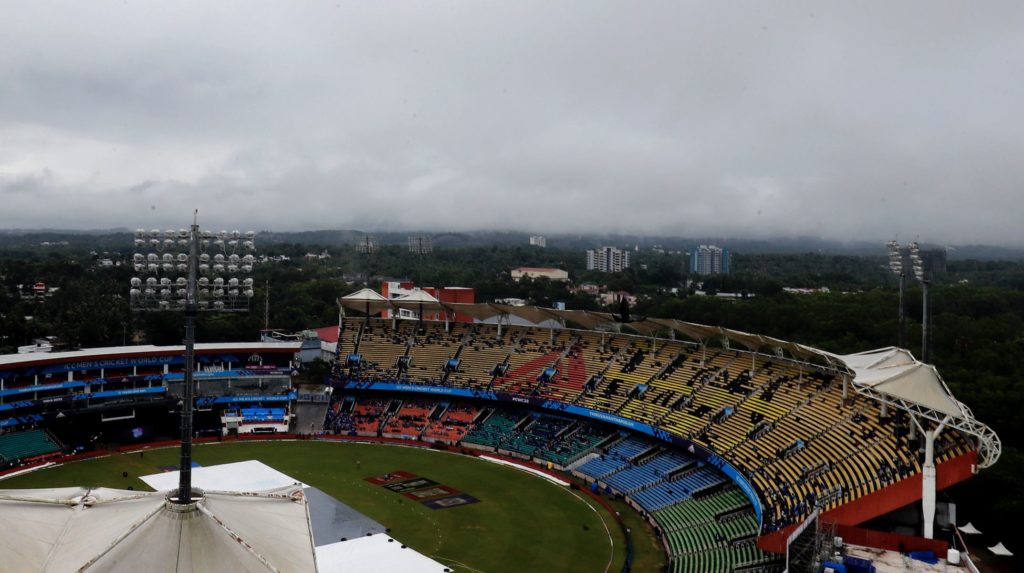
113,239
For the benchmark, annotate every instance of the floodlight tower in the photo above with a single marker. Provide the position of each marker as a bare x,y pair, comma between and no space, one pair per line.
175,274
368,245
916,262
896,266
929,433
917,268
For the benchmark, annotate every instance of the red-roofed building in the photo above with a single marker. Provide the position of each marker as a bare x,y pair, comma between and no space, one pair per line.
328,334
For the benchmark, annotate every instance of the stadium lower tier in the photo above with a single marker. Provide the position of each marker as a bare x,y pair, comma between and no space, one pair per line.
707,527
26,445
786,432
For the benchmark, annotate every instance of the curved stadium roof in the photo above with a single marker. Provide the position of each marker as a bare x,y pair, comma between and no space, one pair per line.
889,375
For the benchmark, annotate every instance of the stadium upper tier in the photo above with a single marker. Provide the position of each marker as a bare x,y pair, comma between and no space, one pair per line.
803,430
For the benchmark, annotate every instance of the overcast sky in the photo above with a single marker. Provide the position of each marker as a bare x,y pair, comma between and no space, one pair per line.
848,121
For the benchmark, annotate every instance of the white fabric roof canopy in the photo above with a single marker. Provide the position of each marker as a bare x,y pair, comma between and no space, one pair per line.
417,300
896,373
71,529
366,300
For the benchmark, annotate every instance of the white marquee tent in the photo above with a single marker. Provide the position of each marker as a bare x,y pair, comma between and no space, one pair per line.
99,529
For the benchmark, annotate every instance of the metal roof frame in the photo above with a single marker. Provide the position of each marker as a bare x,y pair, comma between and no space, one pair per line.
989,445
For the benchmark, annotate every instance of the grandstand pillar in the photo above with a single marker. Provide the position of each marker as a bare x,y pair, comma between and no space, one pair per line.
191,311
885,410
846,387
925,323
185,466
928,479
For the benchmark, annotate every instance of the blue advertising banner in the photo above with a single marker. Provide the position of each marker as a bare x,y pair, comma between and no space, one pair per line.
41,388
118,393
246,373
253,399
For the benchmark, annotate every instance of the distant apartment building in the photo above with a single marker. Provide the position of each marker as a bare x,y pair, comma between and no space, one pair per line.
607,260
709,260
933,261
539,241
539,272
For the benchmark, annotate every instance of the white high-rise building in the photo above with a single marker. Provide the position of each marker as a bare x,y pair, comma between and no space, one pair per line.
607,260
539,241
709,260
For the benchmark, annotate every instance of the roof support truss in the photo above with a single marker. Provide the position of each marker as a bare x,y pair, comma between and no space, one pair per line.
989,445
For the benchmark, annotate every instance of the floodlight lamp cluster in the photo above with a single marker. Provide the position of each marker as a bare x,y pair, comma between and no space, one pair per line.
915,261
162,266
896,259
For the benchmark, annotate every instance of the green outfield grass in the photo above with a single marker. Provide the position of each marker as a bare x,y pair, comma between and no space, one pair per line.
523,523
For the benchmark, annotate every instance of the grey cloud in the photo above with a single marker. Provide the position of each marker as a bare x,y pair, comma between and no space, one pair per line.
845,121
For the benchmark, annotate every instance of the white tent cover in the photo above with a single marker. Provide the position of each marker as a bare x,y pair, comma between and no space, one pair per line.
416,300
75,529
250,475
364,299
969,529
1000,549
374,554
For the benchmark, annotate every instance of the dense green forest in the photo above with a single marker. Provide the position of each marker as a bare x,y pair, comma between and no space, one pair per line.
977,310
